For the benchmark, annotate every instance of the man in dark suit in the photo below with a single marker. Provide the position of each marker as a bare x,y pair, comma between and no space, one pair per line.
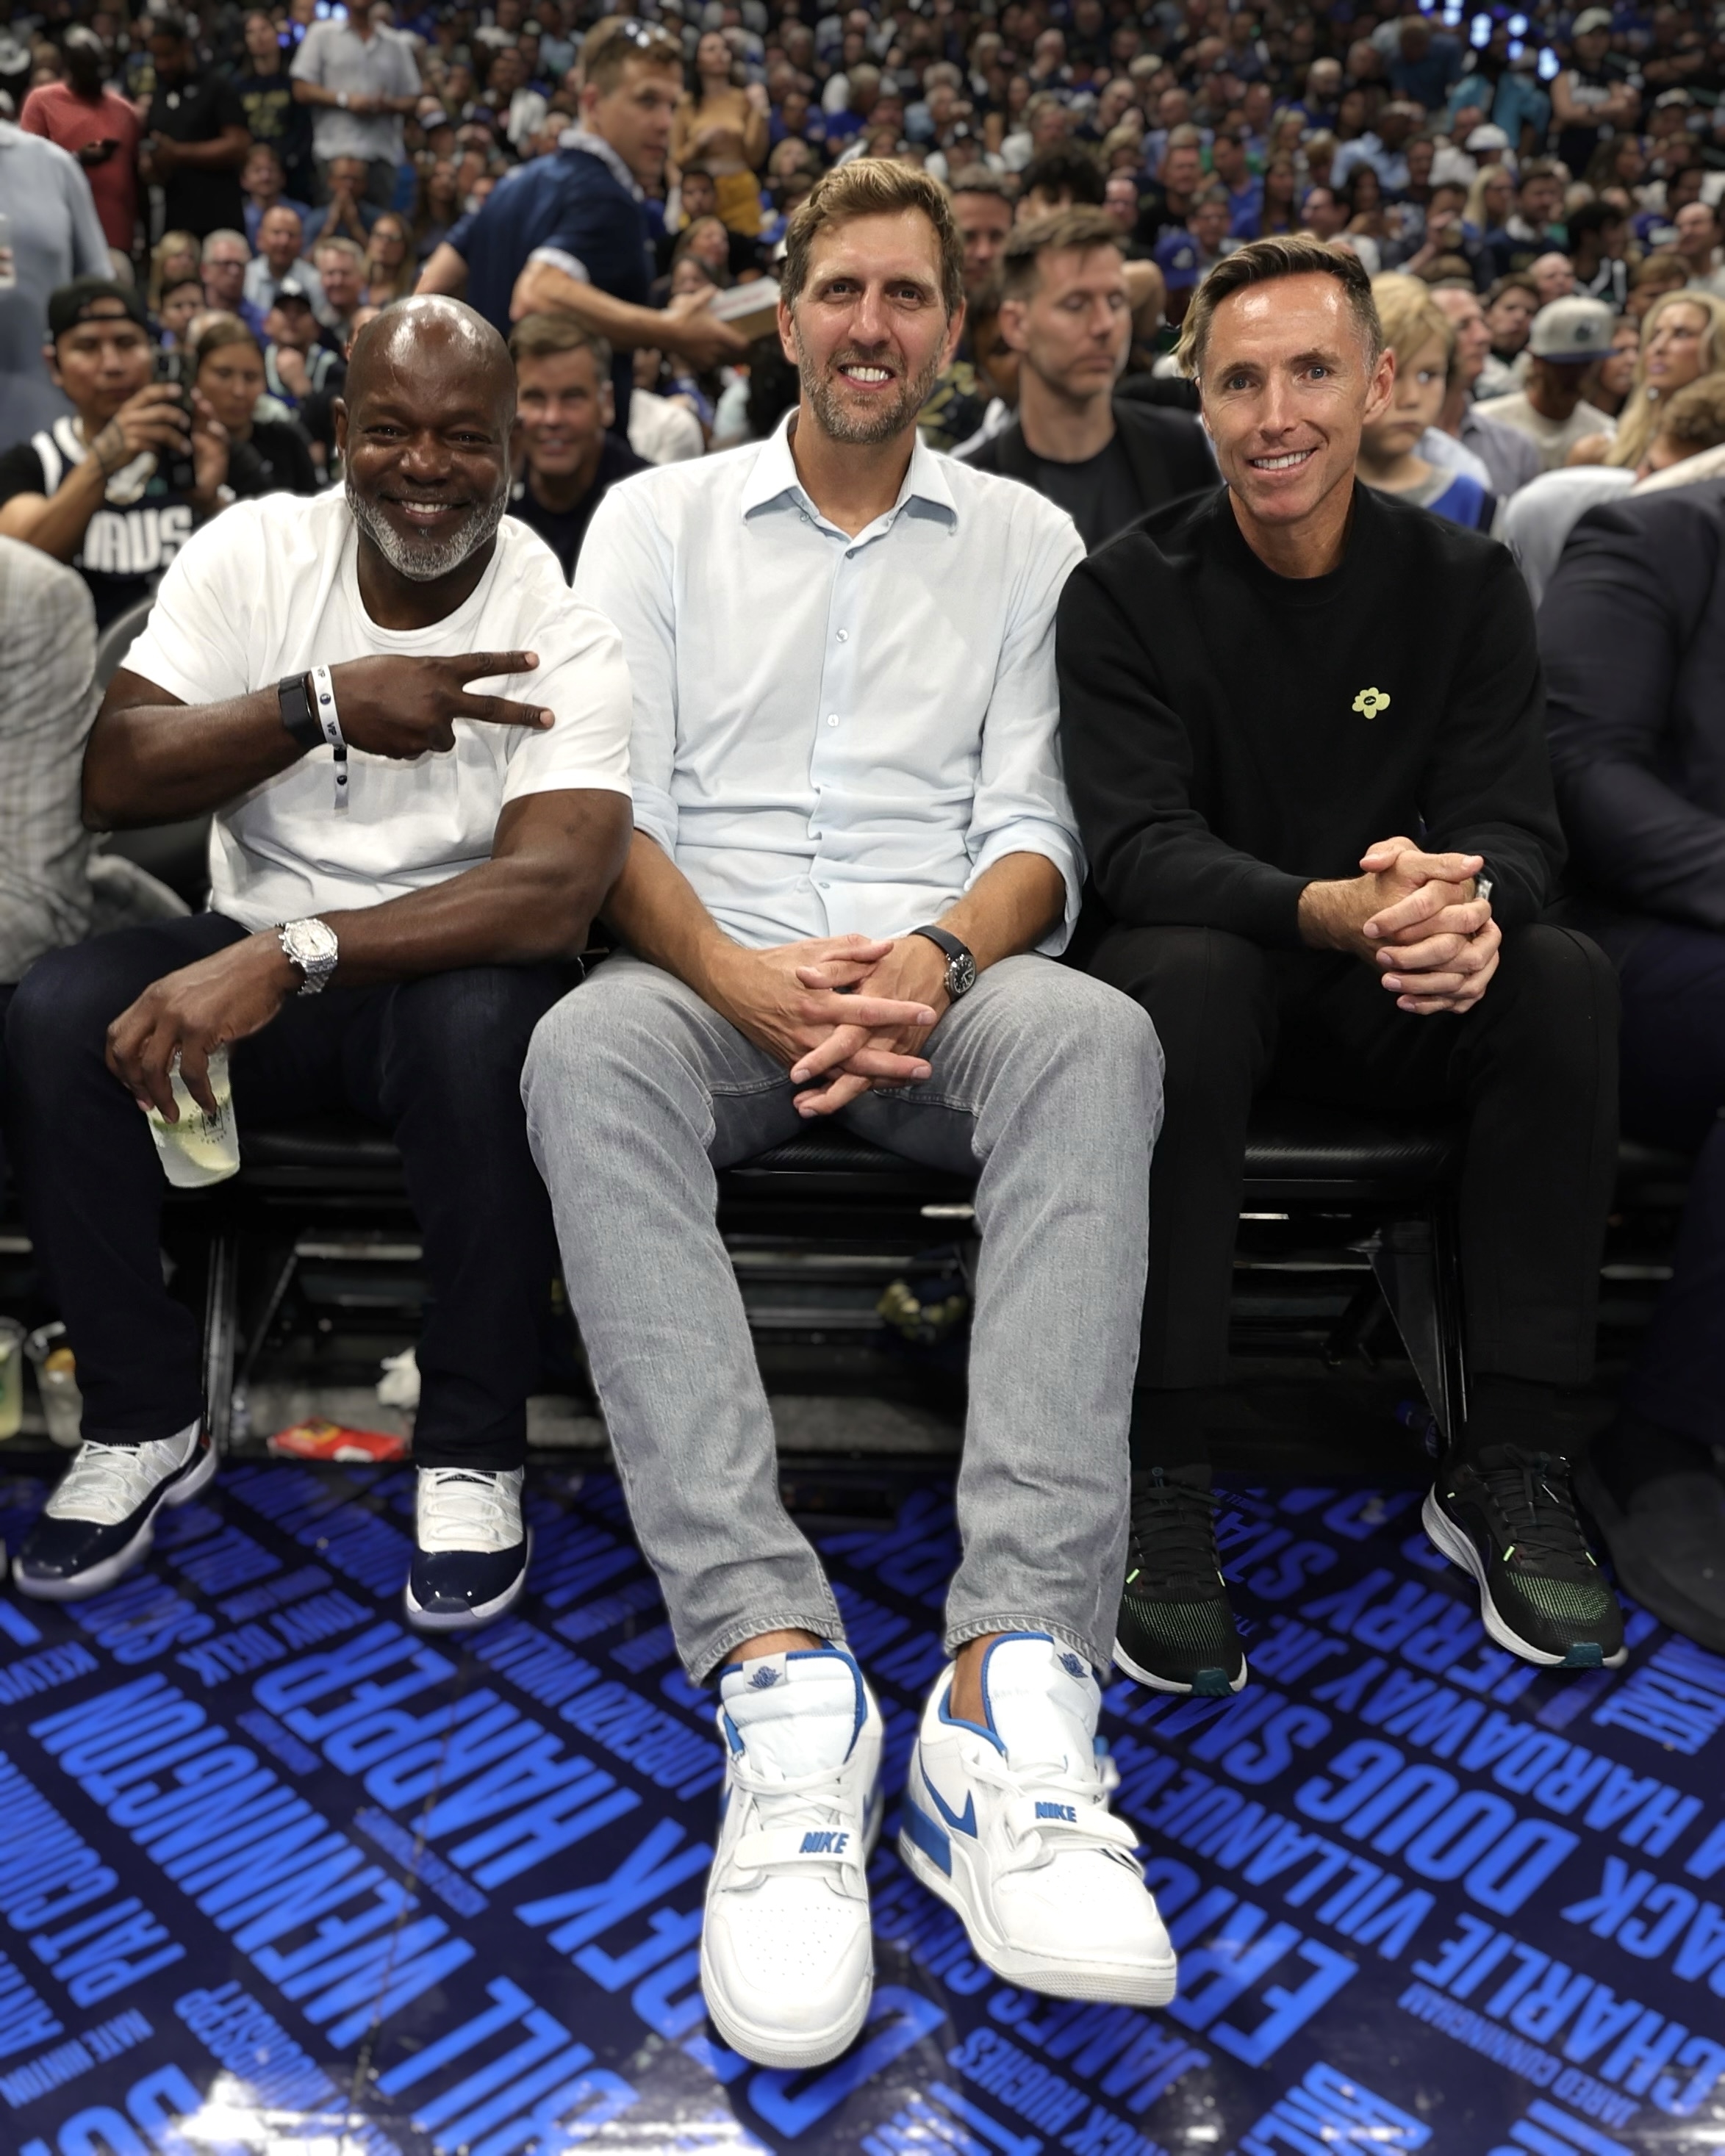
1632,634
1066,312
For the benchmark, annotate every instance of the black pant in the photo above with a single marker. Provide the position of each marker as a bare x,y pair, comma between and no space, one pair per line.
1673,984
436,1061
1534,1063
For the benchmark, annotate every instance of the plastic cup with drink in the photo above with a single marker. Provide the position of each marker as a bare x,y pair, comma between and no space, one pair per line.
200,1148
11,1377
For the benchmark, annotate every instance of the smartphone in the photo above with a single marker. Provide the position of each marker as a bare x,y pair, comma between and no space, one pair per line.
176,464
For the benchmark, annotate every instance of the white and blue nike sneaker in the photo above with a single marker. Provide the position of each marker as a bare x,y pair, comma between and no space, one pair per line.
1007,1822
787,1961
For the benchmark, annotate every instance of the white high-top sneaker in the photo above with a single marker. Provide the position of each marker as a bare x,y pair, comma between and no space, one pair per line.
787,1961
1009,1824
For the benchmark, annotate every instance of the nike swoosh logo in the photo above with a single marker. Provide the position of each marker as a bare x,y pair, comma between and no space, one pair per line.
960,1823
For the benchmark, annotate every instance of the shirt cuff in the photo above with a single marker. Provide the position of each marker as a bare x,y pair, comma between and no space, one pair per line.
656,815
1055,845
559,258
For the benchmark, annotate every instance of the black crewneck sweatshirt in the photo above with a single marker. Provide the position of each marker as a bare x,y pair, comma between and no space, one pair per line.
1231,735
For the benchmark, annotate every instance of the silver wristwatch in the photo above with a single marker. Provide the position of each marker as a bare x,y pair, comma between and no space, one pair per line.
311,945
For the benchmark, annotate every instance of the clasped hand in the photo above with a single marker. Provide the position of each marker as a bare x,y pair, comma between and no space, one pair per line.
1417,919
842,1014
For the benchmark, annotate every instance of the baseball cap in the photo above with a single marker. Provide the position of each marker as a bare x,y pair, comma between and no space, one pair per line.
1591,18
292,291
1572,330
68,305
1487,138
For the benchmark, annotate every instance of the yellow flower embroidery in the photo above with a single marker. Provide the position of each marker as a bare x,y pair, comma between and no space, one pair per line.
1370,701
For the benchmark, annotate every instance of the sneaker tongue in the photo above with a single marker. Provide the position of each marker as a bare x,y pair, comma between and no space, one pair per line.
799,1712
1042,1699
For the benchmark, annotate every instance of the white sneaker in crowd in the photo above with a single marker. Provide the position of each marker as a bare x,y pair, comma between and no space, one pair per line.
787,1961
1009,1824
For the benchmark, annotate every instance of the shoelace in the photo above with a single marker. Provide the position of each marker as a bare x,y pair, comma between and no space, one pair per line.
793,1806
1173,1527
1531,1490
104,1483
462,1510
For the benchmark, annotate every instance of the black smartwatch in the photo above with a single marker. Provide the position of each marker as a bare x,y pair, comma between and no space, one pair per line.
296,713
960,967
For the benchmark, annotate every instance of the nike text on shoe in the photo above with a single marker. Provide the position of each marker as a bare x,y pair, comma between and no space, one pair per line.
787,1963
470,1550
1175,1631
1507,1517
1009,1824
100,1519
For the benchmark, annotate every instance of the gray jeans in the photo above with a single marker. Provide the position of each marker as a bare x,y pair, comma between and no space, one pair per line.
1046,1084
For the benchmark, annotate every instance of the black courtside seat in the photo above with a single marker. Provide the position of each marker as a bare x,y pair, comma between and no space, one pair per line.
829,1182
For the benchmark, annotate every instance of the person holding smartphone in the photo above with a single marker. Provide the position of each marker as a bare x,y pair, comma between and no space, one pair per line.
119,487
99,129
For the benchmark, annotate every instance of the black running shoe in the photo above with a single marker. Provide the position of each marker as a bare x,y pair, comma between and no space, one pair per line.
1508,1517
1176,1629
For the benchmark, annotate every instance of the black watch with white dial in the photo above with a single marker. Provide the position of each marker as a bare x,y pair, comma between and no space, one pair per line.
960,967
312,946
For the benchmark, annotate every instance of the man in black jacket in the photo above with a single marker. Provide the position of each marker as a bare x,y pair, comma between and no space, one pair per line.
1254,710
1066,312
1633,634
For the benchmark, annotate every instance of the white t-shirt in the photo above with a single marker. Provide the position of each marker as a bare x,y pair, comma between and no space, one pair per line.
270,588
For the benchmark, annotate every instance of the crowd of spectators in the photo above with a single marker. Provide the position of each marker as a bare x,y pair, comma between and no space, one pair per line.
1552,177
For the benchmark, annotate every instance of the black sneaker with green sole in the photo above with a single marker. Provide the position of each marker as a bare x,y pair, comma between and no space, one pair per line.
1508,1517
1176,1631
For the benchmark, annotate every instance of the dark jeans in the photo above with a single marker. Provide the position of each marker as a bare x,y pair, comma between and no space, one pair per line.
437,1062
1673,982
1534,1066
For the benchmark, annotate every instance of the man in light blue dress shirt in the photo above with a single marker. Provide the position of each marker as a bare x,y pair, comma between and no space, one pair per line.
854,859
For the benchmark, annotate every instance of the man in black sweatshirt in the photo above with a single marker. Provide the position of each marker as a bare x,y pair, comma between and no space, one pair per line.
1304,732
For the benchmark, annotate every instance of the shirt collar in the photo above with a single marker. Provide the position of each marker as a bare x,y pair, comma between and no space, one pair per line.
775,476
580,138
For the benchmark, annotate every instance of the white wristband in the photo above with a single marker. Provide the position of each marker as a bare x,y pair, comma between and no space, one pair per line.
324,709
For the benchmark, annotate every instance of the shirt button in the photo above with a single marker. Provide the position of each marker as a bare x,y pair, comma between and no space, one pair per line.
832,718
844,636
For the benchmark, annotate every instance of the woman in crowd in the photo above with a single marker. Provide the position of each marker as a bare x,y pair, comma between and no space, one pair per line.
176,258
722,126
1680,341
439,206
1281,197
391,262
1490,200
265,456
1617,374
180,302
1423,339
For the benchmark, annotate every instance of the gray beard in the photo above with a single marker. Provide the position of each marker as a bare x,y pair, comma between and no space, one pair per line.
839,425
423,564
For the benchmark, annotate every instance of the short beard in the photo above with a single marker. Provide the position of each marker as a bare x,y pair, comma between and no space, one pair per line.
426,564
868,430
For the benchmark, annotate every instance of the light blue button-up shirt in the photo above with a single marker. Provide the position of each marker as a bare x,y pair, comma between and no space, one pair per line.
837,734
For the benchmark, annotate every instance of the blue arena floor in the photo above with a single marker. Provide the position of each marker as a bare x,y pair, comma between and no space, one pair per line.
277,1876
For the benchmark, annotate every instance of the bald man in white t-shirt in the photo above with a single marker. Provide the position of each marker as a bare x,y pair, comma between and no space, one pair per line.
404,863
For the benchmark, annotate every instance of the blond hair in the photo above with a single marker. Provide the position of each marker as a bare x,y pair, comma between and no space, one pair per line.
873,187
1410,319
1642,412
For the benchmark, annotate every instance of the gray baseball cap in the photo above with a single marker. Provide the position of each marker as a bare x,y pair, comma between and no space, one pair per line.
1572,331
